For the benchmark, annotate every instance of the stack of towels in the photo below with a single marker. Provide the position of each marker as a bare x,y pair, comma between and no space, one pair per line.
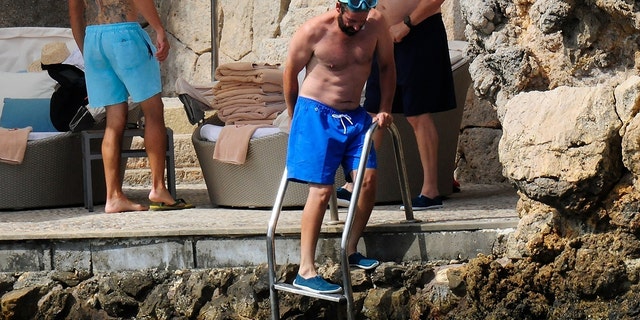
247,96
248,93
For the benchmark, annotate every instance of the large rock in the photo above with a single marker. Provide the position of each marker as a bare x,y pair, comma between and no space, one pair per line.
236,38
517,46
477,155
627,105
189,22
562,147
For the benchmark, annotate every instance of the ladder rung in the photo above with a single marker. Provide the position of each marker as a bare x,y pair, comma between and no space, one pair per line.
334,297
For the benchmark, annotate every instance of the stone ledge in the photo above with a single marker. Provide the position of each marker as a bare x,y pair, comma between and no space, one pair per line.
110,252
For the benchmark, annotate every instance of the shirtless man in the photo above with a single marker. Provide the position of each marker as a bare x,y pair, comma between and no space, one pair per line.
115,72
424,84
328,124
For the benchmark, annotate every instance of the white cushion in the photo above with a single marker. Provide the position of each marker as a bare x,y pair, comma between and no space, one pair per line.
211,132
25,85
19,47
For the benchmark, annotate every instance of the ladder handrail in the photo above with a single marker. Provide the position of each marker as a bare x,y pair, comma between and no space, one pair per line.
346,233
271,242
402,173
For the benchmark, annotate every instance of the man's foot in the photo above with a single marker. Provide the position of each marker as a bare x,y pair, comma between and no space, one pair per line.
316,284
359,261
160,195
344,197
123,205
424,203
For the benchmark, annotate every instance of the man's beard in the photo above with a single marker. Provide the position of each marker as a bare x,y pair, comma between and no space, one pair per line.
347,30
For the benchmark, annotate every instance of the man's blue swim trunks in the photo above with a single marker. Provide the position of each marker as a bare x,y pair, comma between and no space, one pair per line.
119,62
322,138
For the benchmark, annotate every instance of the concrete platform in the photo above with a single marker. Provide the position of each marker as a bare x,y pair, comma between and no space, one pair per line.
207,237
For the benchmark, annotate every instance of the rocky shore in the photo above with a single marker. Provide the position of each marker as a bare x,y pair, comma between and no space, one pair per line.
581,285
392,291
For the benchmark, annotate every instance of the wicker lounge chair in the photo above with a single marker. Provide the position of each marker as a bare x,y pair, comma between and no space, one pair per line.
51,172
50,176
254,183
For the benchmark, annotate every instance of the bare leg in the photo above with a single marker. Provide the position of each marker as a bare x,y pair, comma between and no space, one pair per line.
312,216
155,143
117,201
366,202
427,140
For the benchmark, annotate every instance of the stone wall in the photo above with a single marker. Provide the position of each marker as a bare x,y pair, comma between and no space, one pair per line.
34,13
246,30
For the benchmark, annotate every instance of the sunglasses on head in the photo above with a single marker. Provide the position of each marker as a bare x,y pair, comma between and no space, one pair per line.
360,5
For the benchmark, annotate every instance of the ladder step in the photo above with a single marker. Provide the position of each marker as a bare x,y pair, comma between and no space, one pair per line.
334,297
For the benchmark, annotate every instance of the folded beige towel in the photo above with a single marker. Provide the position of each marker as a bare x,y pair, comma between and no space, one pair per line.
233,143
238,91
243,98
237,103
249,72
13,144
259,76
221,87
242,68
232,115
268,122
236,118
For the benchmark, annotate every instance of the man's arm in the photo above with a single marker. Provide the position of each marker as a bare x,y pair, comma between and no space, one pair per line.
299,54
424,10
147,9
386,64
77,21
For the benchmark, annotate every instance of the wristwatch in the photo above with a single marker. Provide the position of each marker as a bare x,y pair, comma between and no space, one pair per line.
407,21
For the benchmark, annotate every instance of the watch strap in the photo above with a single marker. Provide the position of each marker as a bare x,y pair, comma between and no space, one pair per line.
407,21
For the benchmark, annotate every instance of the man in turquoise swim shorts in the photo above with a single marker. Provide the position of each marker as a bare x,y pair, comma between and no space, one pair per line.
328,124
121,61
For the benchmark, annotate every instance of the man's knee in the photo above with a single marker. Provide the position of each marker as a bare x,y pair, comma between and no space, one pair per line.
369,181
321,194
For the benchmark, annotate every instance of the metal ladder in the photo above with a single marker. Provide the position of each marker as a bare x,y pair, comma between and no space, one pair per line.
347,295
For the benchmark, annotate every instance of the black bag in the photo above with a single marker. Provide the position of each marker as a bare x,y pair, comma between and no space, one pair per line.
68,109
82,120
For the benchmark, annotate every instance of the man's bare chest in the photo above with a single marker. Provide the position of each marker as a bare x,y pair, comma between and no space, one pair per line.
339,54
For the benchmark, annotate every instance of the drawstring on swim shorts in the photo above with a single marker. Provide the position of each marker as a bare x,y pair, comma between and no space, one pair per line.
342,117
